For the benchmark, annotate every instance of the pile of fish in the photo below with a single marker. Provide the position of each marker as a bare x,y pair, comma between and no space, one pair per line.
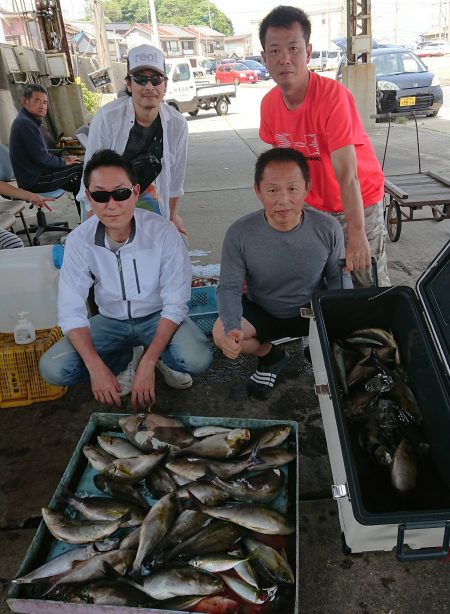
185,521
377,396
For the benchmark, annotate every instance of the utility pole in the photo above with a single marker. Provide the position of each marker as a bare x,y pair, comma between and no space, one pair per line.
100,34
155,35
102,46
448,21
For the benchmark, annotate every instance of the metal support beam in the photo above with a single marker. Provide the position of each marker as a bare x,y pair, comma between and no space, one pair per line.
359,23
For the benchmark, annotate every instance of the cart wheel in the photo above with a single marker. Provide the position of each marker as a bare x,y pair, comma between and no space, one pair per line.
440,212
193,113
222,106
394,221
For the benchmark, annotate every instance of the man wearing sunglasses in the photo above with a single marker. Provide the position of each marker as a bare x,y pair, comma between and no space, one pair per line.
139,267
149,134
152,136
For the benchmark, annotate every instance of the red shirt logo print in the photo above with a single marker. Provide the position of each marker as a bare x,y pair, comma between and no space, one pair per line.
309,147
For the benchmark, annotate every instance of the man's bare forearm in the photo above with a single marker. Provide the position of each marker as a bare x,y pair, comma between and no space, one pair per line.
164,333
81,340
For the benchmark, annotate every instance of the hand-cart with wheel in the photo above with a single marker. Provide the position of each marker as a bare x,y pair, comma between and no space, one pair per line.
414,191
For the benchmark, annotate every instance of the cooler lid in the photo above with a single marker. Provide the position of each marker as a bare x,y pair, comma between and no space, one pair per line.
433,290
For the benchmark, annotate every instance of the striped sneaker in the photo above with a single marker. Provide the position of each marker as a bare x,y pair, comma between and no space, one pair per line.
265,376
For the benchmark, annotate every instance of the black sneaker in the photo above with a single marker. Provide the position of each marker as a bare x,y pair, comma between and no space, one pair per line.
265,376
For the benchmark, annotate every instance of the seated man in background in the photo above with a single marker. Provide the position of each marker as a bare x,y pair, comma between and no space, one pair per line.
285,252
140,269
35,168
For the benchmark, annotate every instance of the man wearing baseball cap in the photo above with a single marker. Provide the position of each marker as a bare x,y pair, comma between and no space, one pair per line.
152,137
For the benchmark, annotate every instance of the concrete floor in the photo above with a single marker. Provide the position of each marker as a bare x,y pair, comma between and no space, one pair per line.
37,441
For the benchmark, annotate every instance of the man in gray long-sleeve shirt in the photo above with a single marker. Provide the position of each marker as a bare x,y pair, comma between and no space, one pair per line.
285,253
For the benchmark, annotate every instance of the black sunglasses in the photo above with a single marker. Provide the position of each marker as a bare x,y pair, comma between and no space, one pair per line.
102,196
143,80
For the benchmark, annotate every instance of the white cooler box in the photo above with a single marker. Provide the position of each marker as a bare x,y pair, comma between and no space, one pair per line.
370,518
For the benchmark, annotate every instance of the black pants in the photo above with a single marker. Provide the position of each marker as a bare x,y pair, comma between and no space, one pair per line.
67,178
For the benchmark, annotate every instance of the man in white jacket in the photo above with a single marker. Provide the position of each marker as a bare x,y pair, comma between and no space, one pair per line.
152,136
141,273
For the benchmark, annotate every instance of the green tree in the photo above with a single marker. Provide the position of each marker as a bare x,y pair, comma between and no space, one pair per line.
176,12
193,12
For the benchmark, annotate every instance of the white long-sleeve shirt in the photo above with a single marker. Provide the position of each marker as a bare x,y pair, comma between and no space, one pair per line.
110,129
149,273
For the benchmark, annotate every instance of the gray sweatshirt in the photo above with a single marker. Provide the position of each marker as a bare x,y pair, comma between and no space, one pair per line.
282,269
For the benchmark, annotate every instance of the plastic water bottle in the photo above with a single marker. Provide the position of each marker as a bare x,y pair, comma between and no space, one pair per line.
24,330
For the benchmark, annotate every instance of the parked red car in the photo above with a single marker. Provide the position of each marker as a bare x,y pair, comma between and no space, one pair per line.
235,73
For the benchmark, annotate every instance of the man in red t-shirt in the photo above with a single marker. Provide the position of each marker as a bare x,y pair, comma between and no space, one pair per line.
318,116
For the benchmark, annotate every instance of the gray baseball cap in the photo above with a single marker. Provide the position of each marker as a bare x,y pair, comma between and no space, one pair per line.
144,57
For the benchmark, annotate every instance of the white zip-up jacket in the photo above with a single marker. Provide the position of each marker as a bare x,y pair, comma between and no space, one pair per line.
110,129
151,272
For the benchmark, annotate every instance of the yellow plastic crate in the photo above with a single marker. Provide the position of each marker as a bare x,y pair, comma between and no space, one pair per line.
20,382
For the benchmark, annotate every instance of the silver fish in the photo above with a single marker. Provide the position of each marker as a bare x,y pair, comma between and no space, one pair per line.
377,336
247,591
245,570
94,567
60,564
73,532
131,470
124,492
404,468
270,438
207,431
275,566
262,487
271,458
209,494
113,592
193,468
98,458
154,527
402,395
140,430
131,541
218,536
216,562
257,518
119,447
103,508
223,445
339,361
180,580
188,523
159,482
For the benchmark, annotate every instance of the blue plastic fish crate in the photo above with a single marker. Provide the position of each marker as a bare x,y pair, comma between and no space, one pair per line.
203,307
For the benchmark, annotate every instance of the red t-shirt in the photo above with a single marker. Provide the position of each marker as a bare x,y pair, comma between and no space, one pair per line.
326,120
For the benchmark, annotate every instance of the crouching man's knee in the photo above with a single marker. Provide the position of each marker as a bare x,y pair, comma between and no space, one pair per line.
49,368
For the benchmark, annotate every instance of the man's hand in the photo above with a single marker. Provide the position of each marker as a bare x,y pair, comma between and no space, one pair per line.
104,385
143,390
357,253
232,344
176,219
71,160
39,201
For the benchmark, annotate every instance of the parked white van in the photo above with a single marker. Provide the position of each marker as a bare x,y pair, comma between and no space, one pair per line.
333,59
318,60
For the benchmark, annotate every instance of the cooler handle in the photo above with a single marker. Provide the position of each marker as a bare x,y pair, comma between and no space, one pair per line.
373,260
423,554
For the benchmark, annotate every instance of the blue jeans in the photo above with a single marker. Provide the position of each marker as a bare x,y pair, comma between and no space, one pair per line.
189,351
